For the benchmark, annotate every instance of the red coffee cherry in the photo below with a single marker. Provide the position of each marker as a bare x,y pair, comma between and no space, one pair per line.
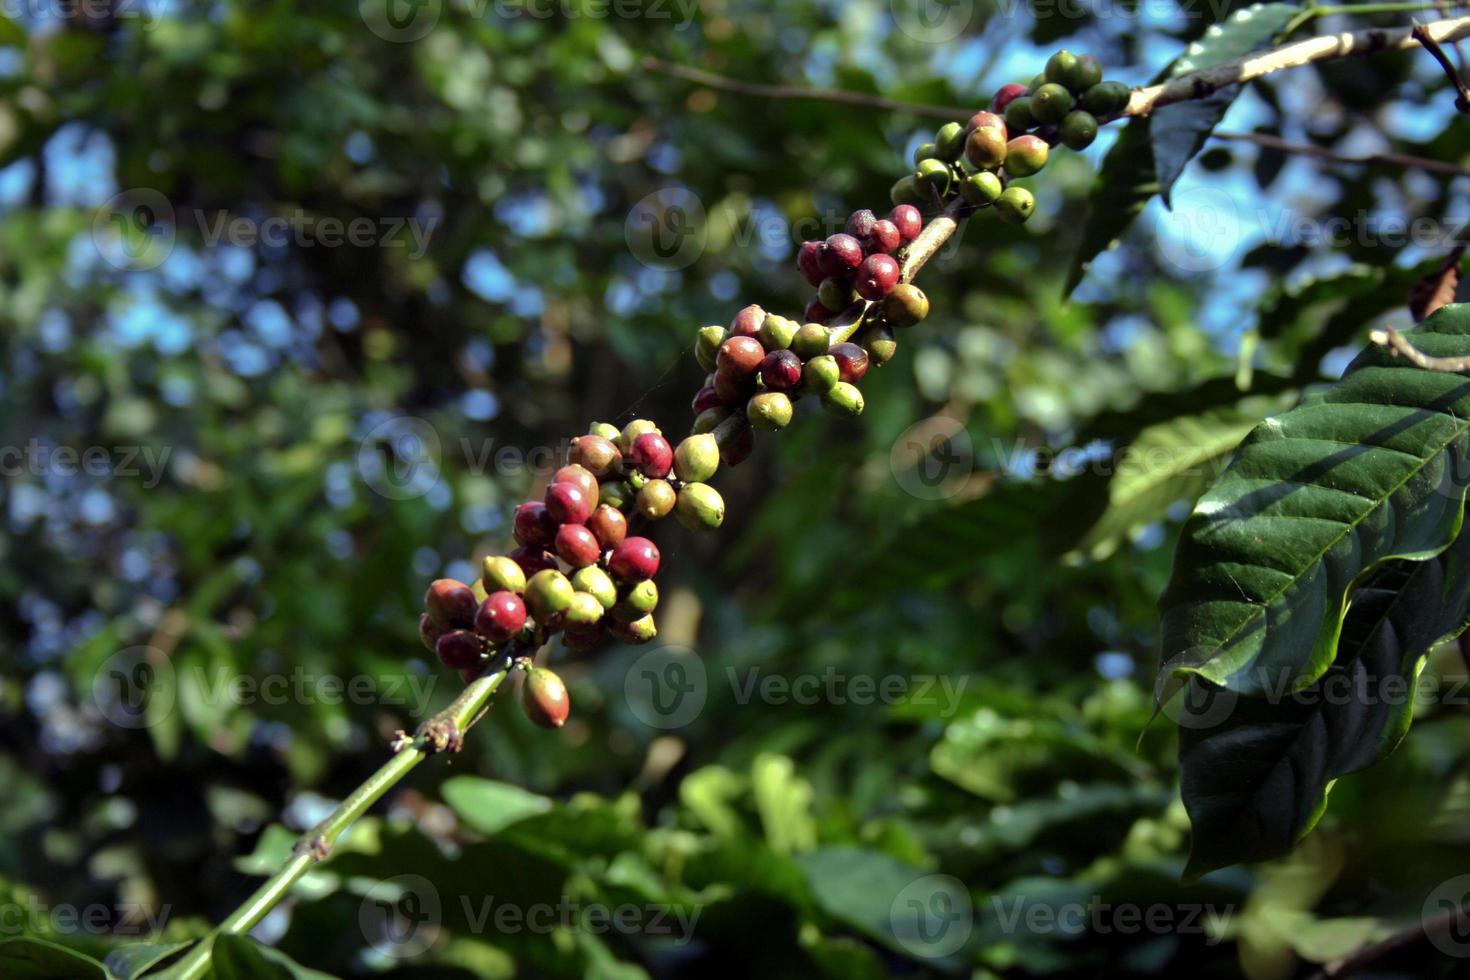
567,503
429,633
740,356
909,222
609,526
808,262
533,524
544,698
815,312
652,455
860,224
781,370
733,386
460,649
987,120
582,477
747,322
596,454
852,361
449,604
842,254
532,559
738,450
634,560
706,398
1005,95
885,237
877,276
577,545
501,616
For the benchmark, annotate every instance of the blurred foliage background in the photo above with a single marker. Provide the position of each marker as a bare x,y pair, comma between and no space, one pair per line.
247,396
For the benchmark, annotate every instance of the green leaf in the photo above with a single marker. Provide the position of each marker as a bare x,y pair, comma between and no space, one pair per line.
135,959
784,801
488,806
242,958
1370,470
1255,780
26,958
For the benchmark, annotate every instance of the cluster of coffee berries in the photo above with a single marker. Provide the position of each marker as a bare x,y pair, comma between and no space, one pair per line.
977,161
860,262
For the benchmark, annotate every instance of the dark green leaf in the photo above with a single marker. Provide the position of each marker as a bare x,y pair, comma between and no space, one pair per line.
241,958
135,959
27,958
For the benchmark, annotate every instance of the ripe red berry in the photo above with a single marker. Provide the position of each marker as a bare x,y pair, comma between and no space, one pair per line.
705,399
877,276
501,616
842,254
460,649
909,222
852,361
449,604
567,503
738,451
577,545
747,322
652,455
815,312
533,524
1005,95
544,698
987,120
634,560
595,454
582,477
740,356
781,370
532,559
860,224
429,633
733,386
885,237
608,525
808,261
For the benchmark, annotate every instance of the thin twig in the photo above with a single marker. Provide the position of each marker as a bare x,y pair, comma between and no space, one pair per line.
1323,153
1462,94
1400,346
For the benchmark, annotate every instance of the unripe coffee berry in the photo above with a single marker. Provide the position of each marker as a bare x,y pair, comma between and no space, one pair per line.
636,602
881,345
877,276
1026,155
1106,98
700,506
885,237
638,631
986,148
776,332
836,294
651,455
548,593
449,604
986,120
906,305
769,410
581,477
1078,130
748,321
949,141
852,361
608,432
860,223
634,560
935,173
1085,73
577,546
739,356
583,613
709,420
655,500
1018,115
499,572
707,345
908,220
738,449
613,493
1015,205
1060,66
924,151
608,526
842,254
734,385
567,503
533,525
500,616
820,374
596,583
544,698
429,633
532,559
460,649
698,457
780,371
843,401
816,312
808,262
596,455
1005,95
810,341
632,431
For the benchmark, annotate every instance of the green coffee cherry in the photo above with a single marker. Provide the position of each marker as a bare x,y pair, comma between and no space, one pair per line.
503,574
835,294
1050,103
776,332
1015,205
696,458
639,601
949,142
1060,66
819,374
608,432
810,341
1026,155
585,610
707,345
769,410
981,189
709,419
596,583
544,698
881,344
655,499
843,401
700,506
907,304
638,631
1106,98
906,190
632,431
614,493
986,148
548,593
935,173
1018,114
1078,130
1086,73
1036,82
924,152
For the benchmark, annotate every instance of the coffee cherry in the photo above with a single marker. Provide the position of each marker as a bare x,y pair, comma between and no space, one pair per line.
1086,73
842,254
1060,66
567,503
1026,155
815,312
449,604
651,455
748,321
460,649
428,633
732,385
906,192
737,450
776,332
881,345
655,500
500,616
581,477
981,189
700,506
638,631
860,224
698,456
1005,95
808,261
924,151
577,546
608,432
885,237
769,410
636,602
820,374
877,276
707,345
634,560
1015,205
835,294
705,399
544,699
843,401
949,142
908,220
1078,130
1050,103
596,455
596,583
548,593
1036,82
1018,115
584,613
709,420
852,361
986,148
810,341
986,120
1106,98
781,370
532,524
740,356
632,431
608,526
613,493
935,173
499,572
532,559
906,305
